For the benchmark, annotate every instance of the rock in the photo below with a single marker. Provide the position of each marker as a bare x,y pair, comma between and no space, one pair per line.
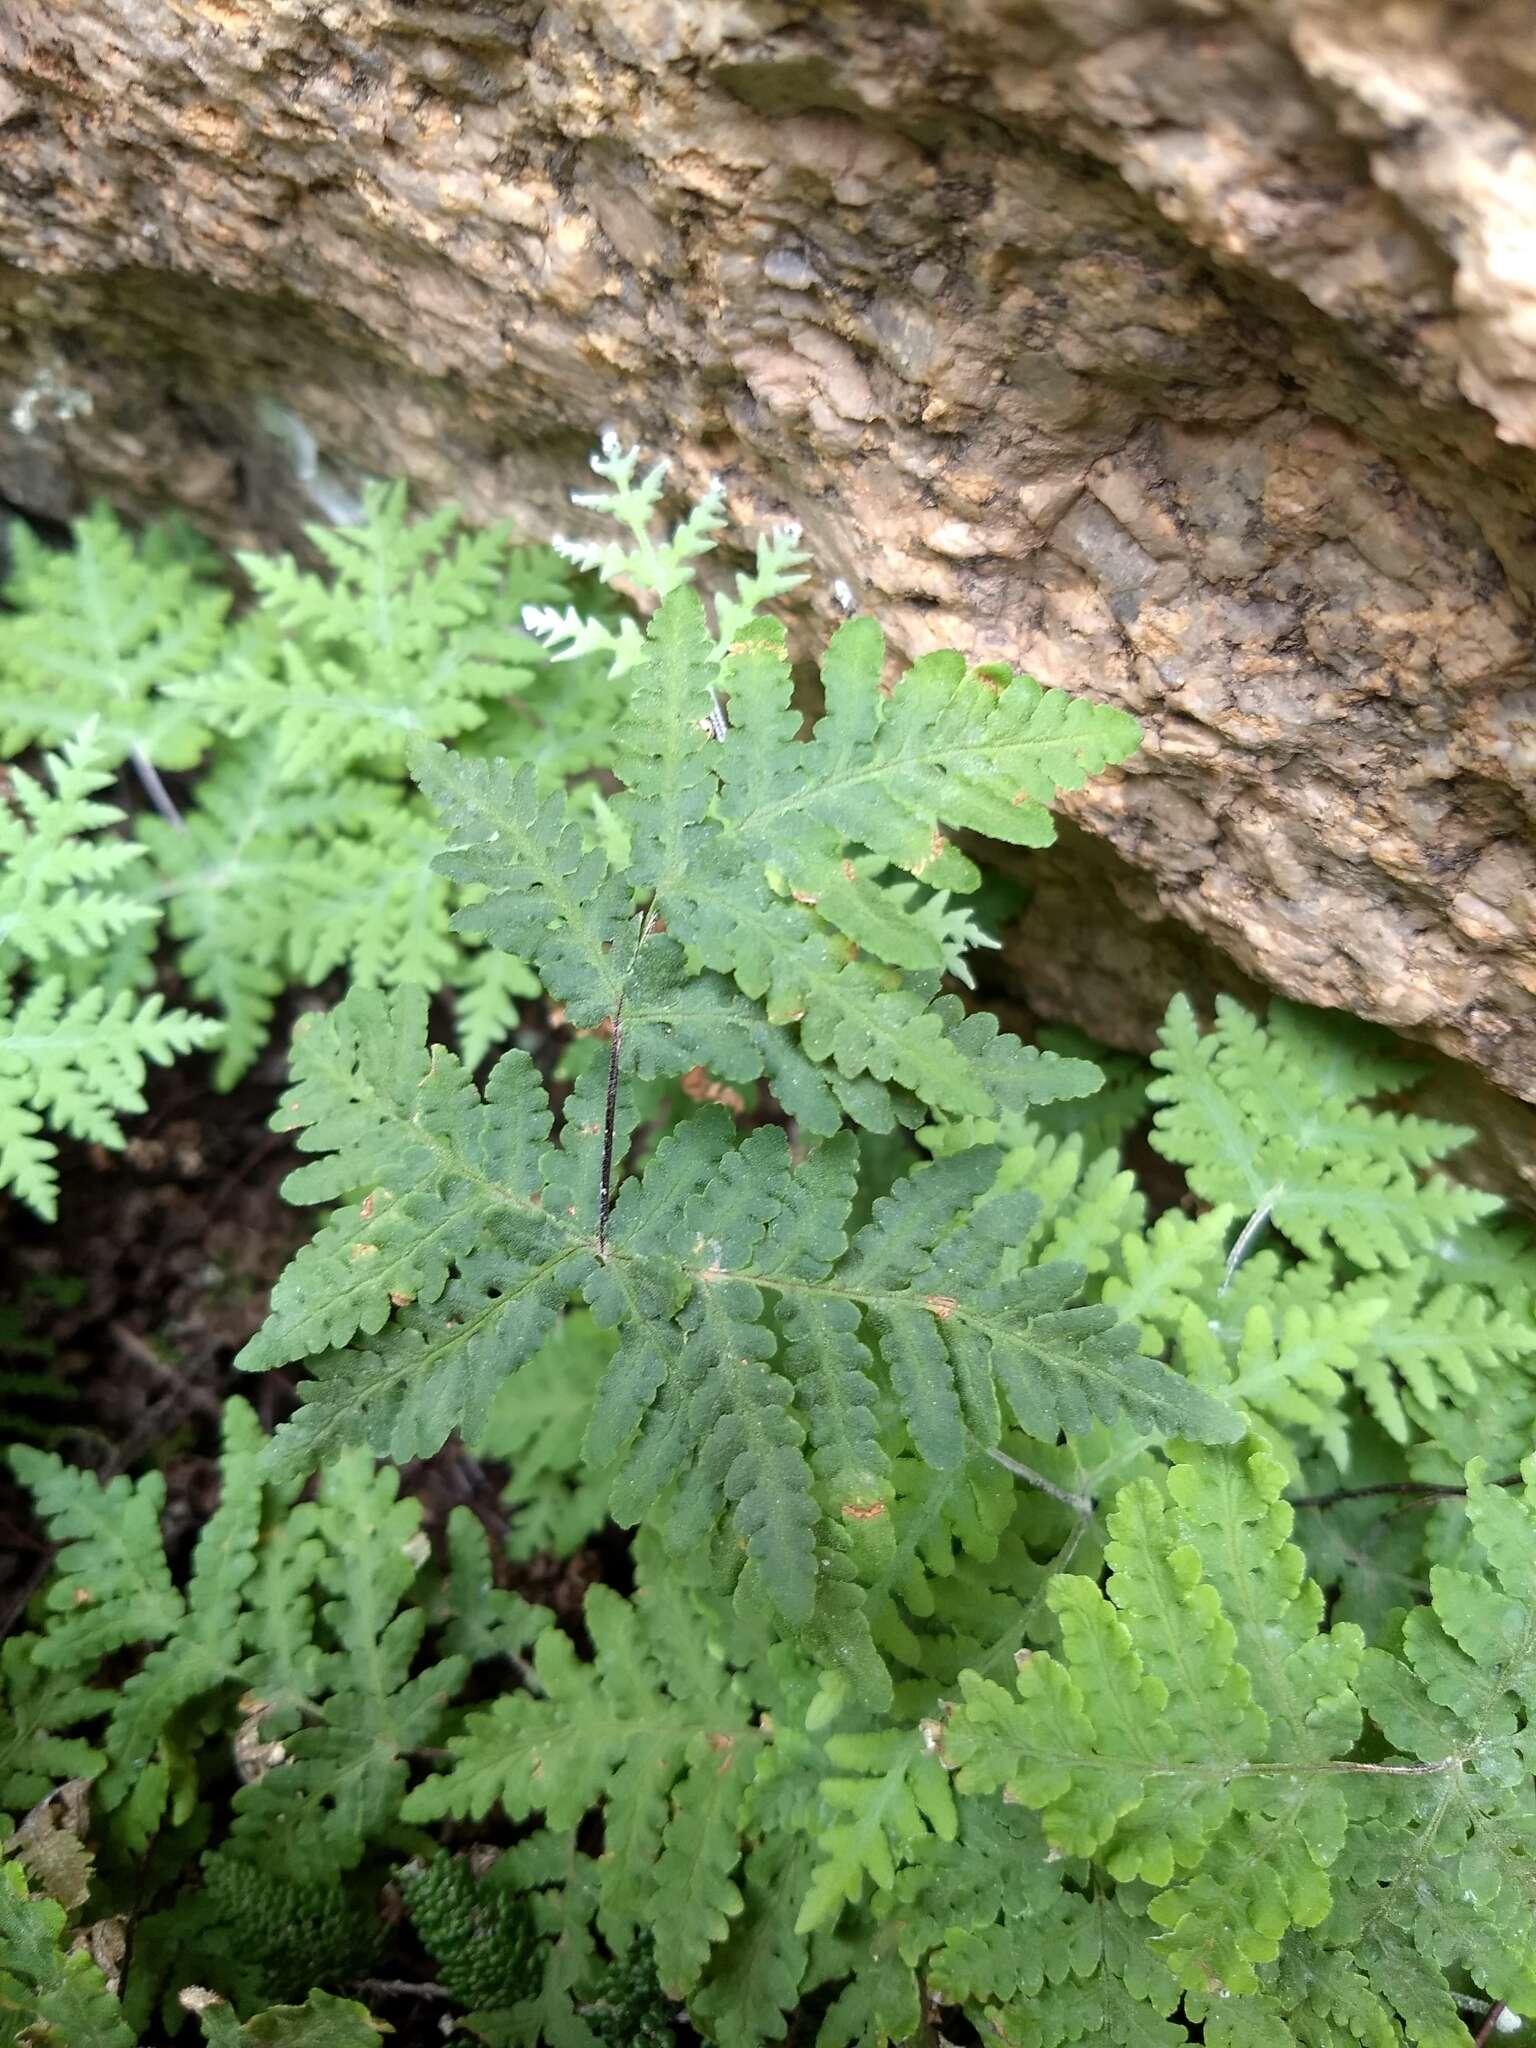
1094,941
1181,351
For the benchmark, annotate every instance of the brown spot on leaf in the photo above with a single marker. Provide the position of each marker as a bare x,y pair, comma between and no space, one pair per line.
724,1745
937,846
699,1085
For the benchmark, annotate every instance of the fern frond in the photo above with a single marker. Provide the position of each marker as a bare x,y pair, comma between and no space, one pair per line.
479,1620
40,1700
1191,1757
70,1056
1453,1703
749,842
754,1976
112,1585
466,1223
706,823
49,1993
655,566
58,895
77,1062
407,636
340,1783
657,1734
1200,1733
1274,1123
106,630
894,1792
651,565
202,1653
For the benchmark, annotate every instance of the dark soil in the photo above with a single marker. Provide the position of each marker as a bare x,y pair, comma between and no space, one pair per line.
133,1304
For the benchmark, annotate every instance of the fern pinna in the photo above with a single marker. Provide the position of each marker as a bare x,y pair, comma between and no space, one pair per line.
73,1047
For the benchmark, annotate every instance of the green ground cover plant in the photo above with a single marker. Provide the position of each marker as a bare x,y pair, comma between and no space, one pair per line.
1054,1603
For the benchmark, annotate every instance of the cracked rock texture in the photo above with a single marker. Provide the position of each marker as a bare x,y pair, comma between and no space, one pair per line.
1182,351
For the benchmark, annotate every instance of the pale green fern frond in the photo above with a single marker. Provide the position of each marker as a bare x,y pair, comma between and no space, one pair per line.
410,636
77,1063
653,565
1275,1123
73,1048
61,887
320,880
106,629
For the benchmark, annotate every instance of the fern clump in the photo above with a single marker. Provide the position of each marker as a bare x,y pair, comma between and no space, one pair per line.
1051,1615
301,850
472,1231
294,1655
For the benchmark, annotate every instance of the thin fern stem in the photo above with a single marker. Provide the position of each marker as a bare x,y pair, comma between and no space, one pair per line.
1416,1492
611,1103
1079,1503
1248,1237
155,789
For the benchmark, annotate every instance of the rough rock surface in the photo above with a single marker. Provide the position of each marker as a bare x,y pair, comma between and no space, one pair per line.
1183,351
